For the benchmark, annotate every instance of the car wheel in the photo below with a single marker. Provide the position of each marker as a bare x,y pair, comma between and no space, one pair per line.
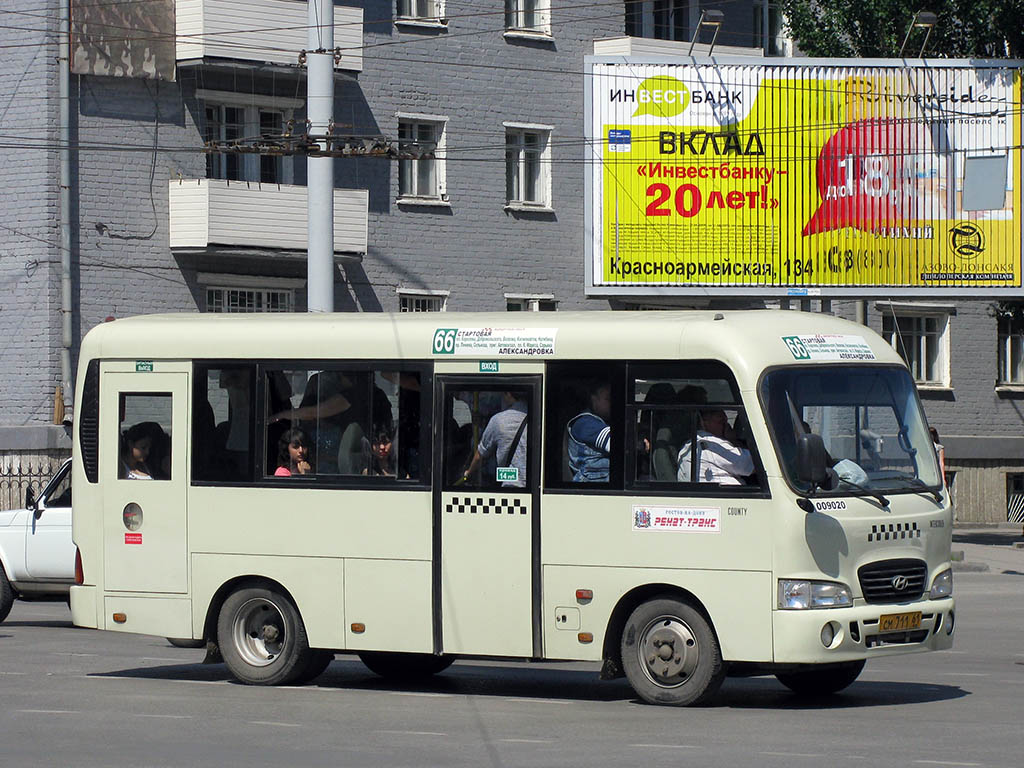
186,642
821,679
670,654
6,595
262,637
404,666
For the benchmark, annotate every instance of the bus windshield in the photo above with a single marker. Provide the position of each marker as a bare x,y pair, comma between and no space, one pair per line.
869,418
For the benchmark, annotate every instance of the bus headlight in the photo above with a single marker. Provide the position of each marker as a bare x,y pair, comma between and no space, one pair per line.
797,594
942,585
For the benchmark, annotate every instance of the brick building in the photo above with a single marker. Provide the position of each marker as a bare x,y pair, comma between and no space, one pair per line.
494,222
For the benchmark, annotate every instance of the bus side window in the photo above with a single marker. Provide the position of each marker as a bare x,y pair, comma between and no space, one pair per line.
145,430
222,423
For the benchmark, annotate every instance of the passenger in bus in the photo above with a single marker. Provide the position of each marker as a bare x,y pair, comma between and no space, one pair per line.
293,454
505,440
381,461
135,447
589,444
719,459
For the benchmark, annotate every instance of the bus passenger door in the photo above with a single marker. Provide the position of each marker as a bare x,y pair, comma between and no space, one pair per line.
486,513
143,436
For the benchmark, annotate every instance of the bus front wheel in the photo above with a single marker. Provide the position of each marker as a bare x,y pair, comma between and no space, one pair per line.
262,637
670,654
821,679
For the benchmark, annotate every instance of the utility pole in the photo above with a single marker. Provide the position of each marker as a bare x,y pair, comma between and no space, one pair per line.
320,170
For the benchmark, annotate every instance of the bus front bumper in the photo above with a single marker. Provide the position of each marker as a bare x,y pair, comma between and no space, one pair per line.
851,634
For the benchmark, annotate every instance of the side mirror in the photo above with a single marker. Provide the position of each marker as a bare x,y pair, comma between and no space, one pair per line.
30,500
811,460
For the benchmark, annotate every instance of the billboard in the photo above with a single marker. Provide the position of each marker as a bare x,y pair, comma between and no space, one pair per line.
803,178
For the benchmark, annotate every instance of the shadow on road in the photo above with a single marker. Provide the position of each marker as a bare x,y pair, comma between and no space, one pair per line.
535,682
1005,538
41,623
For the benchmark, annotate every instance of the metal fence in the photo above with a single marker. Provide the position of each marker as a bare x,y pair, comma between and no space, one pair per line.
21,471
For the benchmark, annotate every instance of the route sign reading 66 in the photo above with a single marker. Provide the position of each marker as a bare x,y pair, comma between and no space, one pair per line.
795,346
444,341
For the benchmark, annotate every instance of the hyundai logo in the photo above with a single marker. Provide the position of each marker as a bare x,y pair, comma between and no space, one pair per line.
899,583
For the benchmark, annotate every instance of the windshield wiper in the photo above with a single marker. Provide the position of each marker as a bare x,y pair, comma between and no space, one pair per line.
867,492
920,485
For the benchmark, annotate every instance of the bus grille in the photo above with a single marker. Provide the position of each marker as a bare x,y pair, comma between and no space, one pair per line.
881,582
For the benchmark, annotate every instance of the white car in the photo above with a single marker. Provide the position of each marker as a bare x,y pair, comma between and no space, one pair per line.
37,556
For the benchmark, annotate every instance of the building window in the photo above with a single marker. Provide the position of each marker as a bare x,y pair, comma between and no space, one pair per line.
530,303
923,342
658,19
1015,497
1011,350
768,26
224,299
528,16
527,165
426,10
422,175
422,301
231,117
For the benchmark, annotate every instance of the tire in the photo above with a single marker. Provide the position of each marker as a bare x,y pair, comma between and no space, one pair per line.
670,654
186,642
319,660
6,594
405,666
821,679
262,637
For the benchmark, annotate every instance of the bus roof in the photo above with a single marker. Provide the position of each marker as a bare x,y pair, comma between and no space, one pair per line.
747,340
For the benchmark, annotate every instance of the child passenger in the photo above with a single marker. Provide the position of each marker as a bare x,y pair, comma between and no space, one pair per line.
293,454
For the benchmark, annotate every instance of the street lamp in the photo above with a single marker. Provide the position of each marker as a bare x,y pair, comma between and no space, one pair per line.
709,17
922,20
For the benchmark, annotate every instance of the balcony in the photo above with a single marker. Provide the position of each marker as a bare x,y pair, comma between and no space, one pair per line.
646,46
271,31
211,213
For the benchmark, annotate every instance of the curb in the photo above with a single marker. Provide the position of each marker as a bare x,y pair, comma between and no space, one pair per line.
959,566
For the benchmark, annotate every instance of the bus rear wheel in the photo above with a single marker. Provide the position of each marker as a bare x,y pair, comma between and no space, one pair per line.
821,679
262,637
670,654
404,666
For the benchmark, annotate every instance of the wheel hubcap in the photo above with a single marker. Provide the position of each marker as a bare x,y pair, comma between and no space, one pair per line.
258,632
668,651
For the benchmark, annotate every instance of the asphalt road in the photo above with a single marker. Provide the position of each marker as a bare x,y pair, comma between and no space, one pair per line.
73,697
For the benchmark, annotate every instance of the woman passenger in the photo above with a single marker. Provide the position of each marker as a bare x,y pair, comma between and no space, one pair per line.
138,441
293,454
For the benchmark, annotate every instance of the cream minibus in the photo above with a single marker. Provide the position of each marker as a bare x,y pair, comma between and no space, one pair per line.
681,496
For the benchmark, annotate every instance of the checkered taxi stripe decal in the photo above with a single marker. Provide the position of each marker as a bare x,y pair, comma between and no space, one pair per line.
486,505
894,532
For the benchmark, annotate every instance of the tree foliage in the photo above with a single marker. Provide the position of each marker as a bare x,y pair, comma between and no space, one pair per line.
876,28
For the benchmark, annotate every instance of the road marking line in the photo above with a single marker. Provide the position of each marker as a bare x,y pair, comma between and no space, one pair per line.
14,674
166,717
423,694
49,711
665,746
943,762
166,680
526,741
59,653
278,725
533,701
157,658
964,674
414,733
792,754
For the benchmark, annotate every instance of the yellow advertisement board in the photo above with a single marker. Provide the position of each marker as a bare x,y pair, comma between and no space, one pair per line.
790,177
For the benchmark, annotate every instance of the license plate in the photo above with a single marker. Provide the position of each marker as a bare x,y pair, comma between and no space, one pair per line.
899,622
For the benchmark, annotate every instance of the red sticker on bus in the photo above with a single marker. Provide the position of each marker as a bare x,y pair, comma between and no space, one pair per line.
133,538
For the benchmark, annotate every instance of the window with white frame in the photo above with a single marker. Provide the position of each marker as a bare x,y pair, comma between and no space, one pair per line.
528,165
1011,349
421,175
225,299
528,16
234,117
422,301
922,340
526,302
419,10
658,19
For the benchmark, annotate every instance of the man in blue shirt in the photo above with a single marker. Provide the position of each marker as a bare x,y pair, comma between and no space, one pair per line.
590,437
